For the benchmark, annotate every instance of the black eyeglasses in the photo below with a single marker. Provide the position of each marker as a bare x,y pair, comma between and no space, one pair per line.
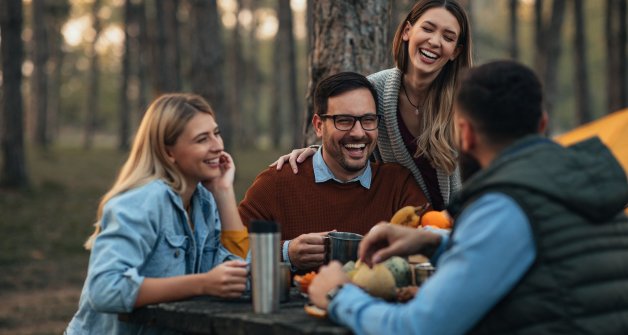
344,122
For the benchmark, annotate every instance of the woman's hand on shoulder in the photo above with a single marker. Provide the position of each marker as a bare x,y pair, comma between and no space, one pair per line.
227,280
297,156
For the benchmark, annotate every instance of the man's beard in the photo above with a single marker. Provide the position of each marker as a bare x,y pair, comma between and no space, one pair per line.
468,166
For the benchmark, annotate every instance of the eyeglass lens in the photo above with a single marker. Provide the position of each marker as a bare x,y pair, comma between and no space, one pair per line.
346,122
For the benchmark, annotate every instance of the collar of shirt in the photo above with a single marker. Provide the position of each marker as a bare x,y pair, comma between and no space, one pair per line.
322,173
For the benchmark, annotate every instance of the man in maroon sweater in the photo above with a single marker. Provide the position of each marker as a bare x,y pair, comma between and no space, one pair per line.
337,188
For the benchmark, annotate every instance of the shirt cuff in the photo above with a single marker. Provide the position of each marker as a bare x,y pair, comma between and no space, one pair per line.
286,256
444,241
342,306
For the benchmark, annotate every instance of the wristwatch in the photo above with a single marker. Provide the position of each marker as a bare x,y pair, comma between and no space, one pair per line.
333,292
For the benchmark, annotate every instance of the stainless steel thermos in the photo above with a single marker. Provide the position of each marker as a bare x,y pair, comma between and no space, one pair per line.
265,269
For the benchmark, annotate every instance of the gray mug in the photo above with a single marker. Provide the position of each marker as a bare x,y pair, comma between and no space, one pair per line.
342,246
285,281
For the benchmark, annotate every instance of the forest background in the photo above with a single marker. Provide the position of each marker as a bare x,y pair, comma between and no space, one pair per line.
77,76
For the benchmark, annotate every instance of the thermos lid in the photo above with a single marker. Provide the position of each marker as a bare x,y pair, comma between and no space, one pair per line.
260,226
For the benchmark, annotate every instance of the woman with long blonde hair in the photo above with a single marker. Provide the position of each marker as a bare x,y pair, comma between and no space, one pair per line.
159,228
432,46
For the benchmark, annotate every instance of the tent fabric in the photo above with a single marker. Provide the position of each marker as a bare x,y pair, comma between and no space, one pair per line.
612,129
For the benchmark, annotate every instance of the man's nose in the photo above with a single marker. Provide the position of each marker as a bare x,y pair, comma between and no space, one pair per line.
357,129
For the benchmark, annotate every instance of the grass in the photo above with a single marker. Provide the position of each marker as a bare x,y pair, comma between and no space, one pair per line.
42,229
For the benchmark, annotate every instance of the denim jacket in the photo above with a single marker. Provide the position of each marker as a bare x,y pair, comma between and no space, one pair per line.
145,234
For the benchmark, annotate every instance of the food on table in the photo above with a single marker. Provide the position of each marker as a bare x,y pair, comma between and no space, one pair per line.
400,269
397,266
405,294
377,281
349,266
409,216
315,311
304,281
422,272
436,219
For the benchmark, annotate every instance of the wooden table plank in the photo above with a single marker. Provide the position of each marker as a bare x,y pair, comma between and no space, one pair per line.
208,315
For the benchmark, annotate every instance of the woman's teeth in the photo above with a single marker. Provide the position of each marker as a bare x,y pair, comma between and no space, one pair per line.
428,54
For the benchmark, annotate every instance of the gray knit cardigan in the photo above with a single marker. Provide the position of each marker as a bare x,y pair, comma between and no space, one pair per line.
390,146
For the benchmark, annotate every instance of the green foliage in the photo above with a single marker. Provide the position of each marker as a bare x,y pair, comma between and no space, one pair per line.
53,218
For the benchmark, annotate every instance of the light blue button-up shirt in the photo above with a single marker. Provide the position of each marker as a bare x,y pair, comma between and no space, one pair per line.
471,277
322,173
145,234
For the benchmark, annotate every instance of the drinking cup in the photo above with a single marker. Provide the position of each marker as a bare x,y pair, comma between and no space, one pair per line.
284,282
342,246
422,272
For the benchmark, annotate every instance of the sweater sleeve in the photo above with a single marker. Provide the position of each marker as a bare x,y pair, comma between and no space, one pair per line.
258,203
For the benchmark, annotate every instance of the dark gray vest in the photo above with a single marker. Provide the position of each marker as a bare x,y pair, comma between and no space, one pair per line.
578,283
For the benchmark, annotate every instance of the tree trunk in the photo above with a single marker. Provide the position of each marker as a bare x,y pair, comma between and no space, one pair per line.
553,54
124,114
309,10
58,12
539,38
347,36
616,53
251,106
236,78
276,108
548,42
514,35
306,133
13,157
285,70
276,117
143,57
208,61
39,80
93,87
167,56
583,101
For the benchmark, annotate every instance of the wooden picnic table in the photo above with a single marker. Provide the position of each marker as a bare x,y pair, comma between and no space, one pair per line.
209,315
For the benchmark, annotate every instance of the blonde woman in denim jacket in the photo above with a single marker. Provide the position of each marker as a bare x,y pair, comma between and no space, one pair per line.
159,229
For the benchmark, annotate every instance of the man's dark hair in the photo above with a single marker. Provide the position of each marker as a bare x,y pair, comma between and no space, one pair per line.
337,84
503,99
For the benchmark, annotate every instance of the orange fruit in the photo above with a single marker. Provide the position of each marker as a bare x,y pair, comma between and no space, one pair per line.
304,281
436,219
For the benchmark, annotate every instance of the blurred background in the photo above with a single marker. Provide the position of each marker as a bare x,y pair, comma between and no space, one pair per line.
78,74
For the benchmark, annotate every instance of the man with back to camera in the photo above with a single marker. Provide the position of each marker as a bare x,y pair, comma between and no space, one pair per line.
339,188
540,241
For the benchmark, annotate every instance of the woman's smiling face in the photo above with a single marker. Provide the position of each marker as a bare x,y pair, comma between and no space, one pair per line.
432,41
198,149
